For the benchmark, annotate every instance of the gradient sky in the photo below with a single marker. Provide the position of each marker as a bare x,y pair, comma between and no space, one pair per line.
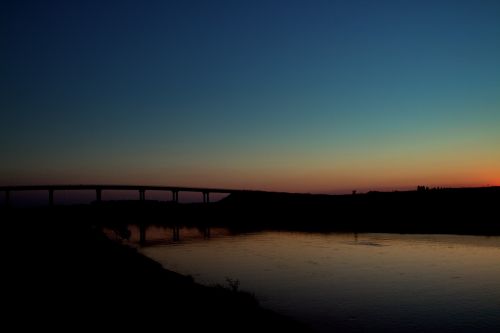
315,96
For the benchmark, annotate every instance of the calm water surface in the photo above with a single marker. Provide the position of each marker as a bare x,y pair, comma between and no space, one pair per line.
348,282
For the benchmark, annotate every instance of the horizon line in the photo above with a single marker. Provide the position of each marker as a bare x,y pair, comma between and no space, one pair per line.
111,187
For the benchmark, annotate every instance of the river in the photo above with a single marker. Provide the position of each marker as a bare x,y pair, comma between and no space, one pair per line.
348,282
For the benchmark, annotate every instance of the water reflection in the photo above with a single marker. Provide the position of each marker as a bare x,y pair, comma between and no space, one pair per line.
348,282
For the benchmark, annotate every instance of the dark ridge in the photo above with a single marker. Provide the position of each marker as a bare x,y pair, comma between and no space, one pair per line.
459,210
454,211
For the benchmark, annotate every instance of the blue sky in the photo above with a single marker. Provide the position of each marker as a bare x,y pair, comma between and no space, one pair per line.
289,95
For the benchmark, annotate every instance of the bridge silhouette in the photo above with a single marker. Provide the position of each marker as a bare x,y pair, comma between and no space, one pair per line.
100,188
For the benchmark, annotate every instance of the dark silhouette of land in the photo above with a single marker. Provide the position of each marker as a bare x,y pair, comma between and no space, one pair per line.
61,273
444,210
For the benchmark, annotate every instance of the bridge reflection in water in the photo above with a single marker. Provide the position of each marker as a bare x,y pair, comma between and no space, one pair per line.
151,235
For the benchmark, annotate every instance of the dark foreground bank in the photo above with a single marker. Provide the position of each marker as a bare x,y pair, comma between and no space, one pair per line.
61,273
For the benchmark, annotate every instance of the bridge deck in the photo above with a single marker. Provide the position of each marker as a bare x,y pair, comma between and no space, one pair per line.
121,187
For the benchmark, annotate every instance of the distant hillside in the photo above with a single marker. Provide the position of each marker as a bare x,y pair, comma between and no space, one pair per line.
451,210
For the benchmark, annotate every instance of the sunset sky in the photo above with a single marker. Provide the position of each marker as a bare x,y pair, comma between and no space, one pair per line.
306,96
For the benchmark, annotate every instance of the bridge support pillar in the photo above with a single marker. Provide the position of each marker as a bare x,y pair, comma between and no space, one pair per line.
176,234
206,232
51,198
206,197
175,196
142,195
98,195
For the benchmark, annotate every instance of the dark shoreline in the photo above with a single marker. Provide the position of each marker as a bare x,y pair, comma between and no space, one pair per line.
62,273
472,211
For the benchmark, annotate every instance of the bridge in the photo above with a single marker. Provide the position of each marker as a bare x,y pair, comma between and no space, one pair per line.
141,189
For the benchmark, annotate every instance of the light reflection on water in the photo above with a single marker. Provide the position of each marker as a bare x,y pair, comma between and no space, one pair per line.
348,282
